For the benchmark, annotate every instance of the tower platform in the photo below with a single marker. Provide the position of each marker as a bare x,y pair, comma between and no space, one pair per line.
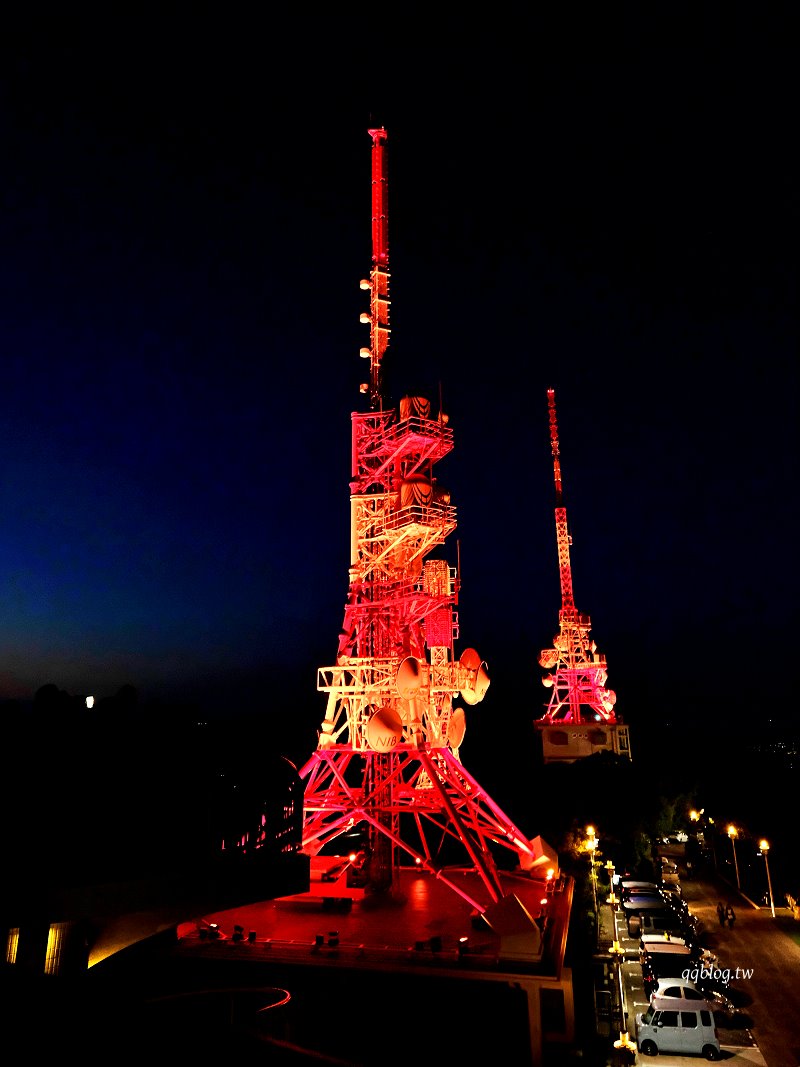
488,975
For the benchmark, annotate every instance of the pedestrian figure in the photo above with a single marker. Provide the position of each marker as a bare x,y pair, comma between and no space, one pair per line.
721,913
730,915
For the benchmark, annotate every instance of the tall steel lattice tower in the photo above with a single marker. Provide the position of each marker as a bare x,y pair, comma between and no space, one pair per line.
387,759
580,717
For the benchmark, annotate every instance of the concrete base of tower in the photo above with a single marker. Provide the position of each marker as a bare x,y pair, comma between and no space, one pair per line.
568,742
494,981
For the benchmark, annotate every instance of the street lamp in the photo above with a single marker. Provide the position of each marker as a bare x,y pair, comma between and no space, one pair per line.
611,898
610,873
733,833
711,835
617,953
591,845
764,846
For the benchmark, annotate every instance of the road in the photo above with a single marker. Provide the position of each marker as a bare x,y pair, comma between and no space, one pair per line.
766,951
768,947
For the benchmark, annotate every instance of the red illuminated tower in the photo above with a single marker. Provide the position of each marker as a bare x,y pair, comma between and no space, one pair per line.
580,717
387,760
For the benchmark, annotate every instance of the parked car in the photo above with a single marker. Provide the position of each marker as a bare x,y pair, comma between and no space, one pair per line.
670,964
642,891
660,939
671,888
652,940
643,919
669,876
677,1026
679,904
675,948
644,896
685,988
657,915
633,885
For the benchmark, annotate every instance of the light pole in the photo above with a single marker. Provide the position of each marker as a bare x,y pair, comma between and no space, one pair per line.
610,873
591,844
612,897
733,833
764,846
624,1041
711,833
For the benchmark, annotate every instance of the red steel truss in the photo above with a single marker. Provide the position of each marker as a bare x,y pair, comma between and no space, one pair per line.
387,758
578,678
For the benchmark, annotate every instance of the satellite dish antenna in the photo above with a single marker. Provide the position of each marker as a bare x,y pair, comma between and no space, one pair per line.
384,729
478,680
482,681
408,678
608,698
456,728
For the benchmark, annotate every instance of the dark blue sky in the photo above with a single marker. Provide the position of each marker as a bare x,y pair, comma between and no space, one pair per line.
604,204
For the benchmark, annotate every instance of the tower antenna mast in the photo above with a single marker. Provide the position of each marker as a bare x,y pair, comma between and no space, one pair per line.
387,763
581,705
378,283
562,532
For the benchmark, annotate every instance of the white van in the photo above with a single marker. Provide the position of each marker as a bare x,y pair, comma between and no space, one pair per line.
672,1025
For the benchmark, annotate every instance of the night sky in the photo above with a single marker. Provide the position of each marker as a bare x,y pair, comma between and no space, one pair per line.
602,202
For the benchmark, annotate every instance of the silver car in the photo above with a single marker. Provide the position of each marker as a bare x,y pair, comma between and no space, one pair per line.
686,989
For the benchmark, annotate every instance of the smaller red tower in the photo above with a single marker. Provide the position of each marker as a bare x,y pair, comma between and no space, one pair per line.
580,717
